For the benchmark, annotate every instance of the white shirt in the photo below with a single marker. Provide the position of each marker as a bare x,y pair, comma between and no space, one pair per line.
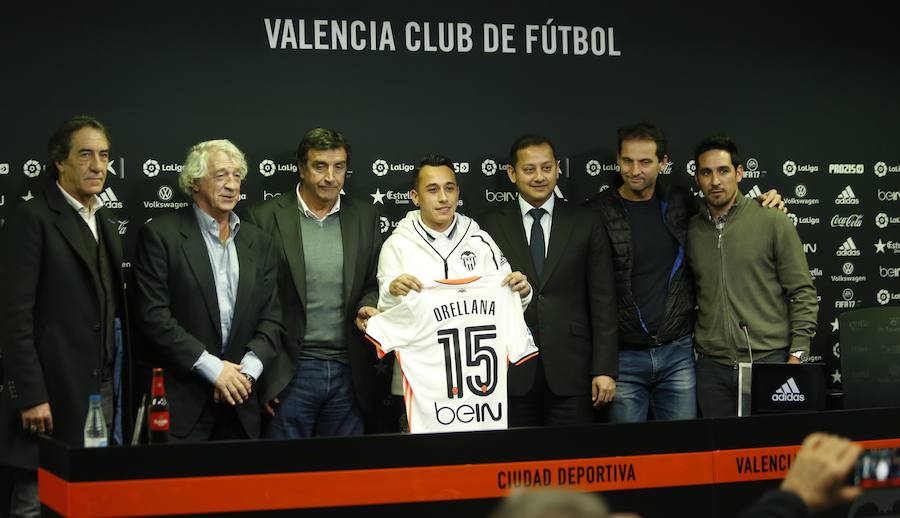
546,221
304,208
88,215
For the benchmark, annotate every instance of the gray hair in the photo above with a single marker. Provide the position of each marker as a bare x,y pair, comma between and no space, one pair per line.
195,165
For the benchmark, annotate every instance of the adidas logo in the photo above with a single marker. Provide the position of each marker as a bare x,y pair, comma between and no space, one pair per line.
754,192
789,392
848,249
847,197
108,197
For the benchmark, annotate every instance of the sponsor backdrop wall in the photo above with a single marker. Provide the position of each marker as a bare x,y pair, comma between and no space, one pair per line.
809,94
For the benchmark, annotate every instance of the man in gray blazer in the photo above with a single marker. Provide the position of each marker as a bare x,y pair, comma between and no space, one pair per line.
328,253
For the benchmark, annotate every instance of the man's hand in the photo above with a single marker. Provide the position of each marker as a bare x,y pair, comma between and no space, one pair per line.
404,284
37,419
603,388
818,472
793,359
363,316
518,282
232,385
271,406
772,200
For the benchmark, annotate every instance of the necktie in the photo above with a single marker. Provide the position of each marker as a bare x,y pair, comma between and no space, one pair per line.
537,239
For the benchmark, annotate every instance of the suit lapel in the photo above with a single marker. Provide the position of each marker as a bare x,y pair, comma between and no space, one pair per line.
348,221
67,223
247,275
194,249
518,252
287,218
560,231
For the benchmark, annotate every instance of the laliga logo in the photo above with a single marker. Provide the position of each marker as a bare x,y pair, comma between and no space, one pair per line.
267,167
789,168
881,220
4,168
31,168
379,167
151,168
881,169
793,217
489,167
883,297
592,167
384,224
691,167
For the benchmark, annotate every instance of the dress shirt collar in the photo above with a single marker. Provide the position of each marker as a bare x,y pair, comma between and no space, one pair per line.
548,205
304,208
78,206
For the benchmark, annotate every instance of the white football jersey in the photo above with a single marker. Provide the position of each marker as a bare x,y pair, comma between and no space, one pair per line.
454,341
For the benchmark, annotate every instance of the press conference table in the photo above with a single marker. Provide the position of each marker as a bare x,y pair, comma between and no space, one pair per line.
709,467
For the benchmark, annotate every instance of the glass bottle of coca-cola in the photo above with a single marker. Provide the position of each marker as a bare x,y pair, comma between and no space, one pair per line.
159,409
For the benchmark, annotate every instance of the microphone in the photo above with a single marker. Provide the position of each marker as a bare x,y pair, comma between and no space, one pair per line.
744,326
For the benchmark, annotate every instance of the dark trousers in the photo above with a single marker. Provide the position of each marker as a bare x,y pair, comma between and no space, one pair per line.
218,422
717,383
541,407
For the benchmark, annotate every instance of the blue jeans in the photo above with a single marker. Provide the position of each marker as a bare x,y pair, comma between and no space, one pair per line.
656,383
319,401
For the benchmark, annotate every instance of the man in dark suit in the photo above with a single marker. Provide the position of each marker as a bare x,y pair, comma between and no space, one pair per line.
207,301
61,273
563,249
328,255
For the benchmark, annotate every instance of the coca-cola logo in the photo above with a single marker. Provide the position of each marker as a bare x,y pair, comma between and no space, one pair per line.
851,221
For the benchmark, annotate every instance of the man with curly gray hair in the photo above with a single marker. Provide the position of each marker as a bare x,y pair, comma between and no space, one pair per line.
207,300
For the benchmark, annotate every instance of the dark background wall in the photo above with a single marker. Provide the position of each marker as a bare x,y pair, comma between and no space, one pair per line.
802,88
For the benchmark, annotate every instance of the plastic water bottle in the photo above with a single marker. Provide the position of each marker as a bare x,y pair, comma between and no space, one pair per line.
95,424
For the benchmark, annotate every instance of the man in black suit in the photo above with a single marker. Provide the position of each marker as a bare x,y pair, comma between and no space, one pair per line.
207,301
564,250
62,293
329,249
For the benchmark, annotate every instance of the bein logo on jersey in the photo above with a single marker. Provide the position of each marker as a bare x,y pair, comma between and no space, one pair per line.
789,392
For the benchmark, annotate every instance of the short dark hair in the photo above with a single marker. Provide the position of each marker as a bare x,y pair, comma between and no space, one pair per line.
322,139
432,160
525,141
720,142
60,143
644,131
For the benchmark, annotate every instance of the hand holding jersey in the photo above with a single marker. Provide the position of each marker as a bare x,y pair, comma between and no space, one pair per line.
454,340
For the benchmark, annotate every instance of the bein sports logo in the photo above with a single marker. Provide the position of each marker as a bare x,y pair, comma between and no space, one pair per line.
789,392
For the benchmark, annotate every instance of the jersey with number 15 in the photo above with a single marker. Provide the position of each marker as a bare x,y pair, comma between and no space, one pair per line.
455,340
